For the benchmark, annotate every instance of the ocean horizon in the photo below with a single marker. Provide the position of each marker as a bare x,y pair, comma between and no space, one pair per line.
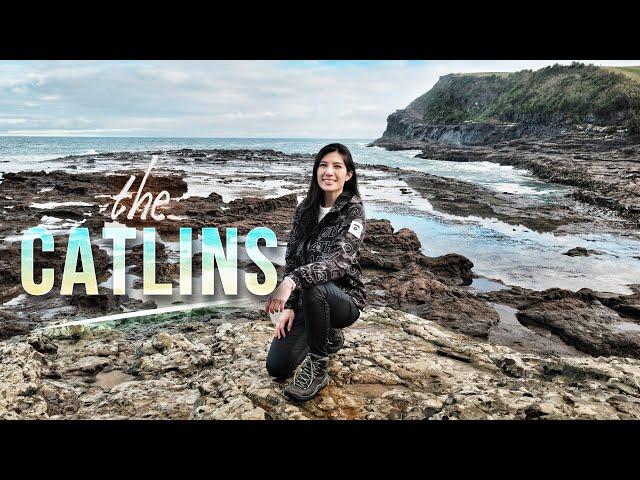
38,148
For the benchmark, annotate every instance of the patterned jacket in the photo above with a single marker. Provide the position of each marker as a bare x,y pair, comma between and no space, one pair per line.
332,253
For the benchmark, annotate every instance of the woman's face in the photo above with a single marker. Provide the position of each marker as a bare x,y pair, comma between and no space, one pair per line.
332,173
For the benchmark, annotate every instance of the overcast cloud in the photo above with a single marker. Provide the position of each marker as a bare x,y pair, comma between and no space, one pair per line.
220,98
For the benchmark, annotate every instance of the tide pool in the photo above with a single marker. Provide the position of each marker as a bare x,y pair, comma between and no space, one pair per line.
522,257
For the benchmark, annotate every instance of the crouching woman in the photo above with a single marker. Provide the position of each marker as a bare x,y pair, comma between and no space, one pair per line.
322,291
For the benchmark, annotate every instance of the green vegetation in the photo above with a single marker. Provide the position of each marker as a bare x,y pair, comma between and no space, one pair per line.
201,314
631,72
562,95
482,74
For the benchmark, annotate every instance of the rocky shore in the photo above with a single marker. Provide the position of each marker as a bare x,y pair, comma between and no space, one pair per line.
465,199
605,169
429,344
393,366
574,125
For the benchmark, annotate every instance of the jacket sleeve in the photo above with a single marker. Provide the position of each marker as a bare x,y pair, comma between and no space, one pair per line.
344,253
295,237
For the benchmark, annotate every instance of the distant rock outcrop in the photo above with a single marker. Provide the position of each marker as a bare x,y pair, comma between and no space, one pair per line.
483,109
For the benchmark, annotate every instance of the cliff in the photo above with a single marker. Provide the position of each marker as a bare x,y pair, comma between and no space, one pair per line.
480,109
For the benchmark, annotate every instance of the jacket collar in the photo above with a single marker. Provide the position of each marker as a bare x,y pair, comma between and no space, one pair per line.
345,198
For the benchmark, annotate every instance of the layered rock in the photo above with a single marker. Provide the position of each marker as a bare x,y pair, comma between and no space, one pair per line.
406,130
393,366
465,199
575,125
592,322
400,276
605,169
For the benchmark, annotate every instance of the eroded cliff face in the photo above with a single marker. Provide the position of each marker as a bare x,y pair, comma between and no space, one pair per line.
482,109
406,130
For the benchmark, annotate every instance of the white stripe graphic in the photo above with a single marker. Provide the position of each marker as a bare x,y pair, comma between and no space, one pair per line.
141,313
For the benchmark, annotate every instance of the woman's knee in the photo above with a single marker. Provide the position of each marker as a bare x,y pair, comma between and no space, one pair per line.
282,361
278,367
316,292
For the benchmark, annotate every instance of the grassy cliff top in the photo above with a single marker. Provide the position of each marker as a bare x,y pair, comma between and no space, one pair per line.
482,74
557,94
631,72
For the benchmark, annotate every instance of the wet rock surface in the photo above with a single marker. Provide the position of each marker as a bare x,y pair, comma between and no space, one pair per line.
580,252
394,256
604,168
62,200
170,371
393,366
595,323
399,275
465,199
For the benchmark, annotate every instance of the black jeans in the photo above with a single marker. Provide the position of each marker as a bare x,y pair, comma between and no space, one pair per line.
324,306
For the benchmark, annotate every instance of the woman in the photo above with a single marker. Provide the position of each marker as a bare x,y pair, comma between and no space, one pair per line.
322,291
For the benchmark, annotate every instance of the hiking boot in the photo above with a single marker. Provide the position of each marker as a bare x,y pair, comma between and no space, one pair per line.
311,376
336,340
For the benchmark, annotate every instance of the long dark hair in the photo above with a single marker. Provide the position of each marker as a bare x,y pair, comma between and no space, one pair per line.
315,195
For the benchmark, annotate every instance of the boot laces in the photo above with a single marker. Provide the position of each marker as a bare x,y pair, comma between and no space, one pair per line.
308,370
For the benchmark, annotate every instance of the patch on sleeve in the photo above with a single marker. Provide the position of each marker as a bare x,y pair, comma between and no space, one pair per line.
355,229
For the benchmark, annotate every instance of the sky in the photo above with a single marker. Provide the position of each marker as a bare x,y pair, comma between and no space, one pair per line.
283,99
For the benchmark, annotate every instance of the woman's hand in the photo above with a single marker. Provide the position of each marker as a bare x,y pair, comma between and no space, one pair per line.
277,300
285,323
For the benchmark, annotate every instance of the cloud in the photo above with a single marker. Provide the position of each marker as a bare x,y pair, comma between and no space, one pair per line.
51,132
337,99
13,121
